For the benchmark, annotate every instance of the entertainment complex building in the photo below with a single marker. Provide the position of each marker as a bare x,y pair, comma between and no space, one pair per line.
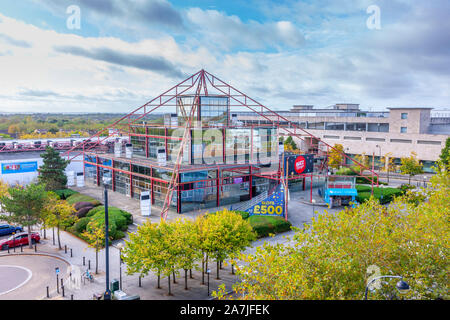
396,132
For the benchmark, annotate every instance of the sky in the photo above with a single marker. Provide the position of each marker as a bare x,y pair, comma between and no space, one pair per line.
378,53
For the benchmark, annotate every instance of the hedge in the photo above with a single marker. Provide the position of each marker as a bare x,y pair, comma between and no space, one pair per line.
65,193
265,225
364,193
78,197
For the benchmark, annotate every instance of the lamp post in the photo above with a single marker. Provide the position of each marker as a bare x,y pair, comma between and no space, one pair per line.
401,285
120,247
106,180
313,203
424,181
379,158
208,272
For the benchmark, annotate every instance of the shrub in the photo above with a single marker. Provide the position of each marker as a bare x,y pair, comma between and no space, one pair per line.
388,194
82,204
265,225
65,193
80,226
83,211
244,214
78,197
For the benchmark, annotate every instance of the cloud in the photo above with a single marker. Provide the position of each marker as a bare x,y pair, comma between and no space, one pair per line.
133,13
228,32
140,61
14,42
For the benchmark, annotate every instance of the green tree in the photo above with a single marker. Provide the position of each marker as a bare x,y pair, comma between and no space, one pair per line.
445,153
187,244
59,214
388,164
51,173
335,156
95,235
411,166
226,234
24,205
290,145
334,257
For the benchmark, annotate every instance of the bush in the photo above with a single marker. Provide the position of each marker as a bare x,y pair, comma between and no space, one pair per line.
78,197
388,194
244,214
265,225
82,204
83,211
63,194
80,226
121,219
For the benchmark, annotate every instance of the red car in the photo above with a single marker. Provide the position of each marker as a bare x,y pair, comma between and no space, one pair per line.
19,239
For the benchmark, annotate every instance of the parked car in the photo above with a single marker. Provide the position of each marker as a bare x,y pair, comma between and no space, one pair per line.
6,229
17,240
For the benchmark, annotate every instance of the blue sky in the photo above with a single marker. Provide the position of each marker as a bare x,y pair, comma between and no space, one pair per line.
280,52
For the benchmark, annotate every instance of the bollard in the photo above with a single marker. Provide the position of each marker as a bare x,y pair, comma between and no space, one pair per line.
89,264
71,253
48,295
140,284
84,262
65,248
21,247
62,287
35,247
8,249
71,297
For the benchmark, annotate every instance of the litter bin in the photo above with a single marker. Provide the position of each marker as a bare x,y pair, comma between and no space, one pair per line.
114,285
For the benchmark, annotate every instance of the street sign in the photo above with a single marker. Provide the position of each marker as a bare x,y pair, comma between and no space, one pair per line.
57,270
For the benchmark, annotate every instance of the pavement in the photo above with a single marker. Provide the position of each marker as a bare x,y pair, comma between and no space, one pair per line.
300,212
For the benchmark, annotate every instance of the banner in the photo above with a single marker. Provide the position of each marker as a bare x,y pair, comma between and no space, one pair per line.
19,167
273,205
298,164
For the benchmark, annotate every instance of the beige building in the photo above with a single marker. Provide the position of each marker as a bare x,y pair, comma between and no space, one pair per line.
398,131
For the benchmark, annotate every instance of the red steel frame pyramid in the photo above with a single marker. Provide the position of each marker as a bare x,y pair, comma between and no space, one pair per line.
199,84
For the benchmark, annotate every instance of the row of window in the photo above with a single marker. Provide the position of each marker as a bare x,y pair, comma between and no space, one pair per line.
429,142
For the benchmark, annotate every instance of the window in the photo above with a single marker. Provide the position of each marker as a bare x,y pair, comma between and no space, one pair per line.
375,139
403,130
438,143
404,116
352,138
401,141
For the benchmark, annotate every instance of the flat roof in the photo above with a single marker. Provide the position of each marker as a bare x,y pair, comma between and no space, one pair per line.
427,108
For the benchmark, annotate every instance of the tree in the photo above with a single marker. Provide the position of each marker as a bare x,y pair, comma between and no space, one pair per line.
95,235
226,233
187,244
411,166
334,257
335,156
59,214
290,145
445,153
51,173
388,164
13,128
3,191
364,160
25,205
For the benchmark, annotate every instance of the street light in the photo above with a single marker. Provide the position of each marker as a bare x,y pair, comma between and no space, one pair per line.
208,272
106,180
379,159
313,202
120,247
401,285
424,181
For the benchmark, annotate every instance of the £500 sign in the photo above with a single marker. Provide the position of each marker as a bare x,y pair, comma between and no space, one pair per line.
268,209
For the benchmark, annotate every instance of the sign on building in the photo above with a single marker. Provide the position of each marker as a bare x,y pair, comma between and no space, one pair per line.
298,164
80,179
146,204
19,167
273,205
